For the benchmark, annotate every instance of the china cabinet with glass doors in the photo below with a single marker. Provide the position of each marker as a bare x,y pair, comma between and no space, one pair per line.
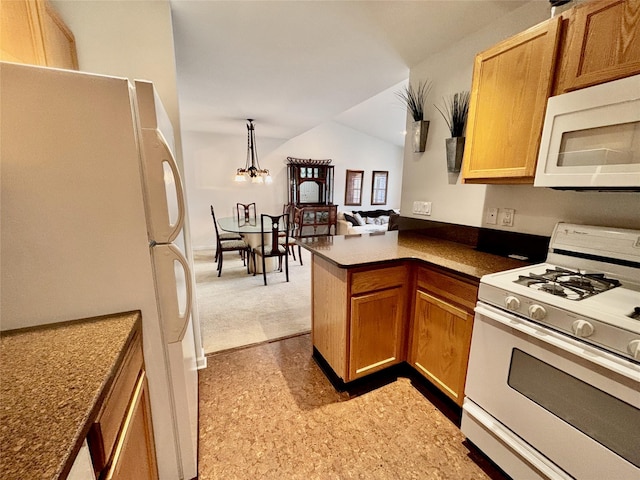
311,205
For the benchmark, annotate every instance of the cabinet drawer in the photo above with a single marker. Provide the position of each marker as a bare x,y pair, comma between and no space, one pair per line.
380,278
458,291
104,431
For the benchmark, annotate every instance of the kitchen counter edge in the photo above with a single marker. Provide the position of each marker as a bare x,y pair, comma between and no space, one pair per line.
49,400
353,251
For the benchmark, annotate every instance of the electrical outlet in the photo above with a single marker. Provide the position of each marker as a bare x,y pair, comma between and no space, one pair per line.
492,216
507,217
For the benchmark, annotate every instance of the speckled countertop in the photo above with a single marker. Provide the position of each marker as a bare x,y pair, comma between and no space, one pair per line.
52,381
367,249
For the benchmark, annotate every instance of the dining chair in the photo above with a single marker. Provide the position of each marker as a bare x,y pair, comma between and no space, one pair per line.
270,245
289,241
230,244
223,235
246,213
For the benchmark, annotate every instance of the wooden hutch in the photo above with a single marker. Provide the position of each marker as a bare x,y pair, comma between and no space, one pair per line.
311,197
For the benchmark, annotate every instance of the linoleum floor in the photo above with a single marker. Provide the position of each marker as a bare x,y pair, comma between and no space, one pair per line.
269,412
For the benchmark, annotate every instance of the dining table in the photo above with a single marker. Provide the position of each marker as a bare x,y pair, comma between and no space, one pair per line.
251,230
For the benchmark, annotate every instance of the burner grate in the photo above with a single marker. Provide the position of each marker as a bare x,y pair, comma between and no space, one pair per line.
569,284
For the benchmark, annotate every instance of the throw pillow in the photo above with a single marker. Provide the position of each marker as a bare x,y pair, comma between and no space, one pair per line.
371,220
383,219
393,221
350,219
358,218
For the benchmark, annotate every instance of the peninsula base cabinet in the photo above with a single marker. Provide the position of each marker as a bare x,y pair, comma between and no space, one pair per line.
440,346
376,331
441,330
361,318
358,317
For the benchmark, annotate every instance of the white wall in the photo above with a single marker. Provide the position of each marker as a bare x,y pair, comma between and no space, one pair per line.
425,175
211,161
132,39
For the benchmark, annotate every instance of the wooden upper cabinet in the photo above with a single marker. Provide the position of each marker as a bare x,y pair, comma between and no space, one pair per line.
32,32
20,39
59,42
511,84
602,44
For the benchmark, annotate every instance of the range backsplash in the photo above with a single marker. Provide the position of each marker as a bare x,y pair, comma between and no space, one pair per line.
499,242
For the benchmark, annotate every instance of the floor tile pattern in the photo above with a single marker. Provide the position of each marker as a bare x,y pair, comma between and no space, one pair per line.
268,412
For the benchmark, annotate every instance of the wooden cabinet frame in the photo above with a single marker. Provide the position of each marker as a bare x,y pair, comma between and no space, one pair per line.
601,43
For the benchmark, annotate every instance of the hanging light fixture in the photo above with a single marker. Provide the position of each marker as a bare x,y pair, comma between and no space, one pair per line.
252,168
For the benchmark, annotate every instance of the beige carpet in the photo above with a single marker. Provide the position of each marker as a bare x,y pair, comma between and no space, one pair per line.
268,412
236,309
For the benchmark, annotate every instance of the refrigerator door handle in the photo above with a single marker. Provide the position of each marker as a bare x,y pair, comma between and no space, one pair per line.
174,323
157,154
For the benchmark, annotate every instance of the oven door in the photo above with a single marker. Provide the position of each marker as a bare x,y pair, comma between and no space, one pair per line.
574,404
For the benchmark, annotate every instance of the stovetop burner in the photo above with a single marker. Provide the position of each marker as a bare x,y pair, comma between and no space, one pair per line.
569,284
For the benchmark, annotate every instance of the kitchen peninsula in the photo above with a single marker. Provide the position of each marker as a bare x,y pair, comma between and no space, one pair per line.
383,298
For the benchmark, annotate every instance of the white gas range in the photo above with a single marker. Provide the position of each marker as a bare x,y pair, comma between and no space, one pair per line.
553,386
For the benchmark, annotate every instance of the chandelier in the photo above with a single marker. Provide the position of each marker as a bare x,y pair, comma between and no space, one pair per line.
252,168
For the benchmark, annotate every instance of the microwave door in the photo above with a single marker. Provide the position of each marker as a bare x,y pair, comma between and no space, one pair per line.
591,138
165,195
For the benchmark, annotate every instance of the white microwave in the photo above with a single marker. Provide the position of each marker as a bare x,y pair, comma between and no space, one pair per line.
591,138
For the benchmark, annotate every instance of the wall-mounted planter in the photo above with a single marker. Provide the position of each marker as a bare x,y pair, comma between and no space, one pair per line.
455,150
420,130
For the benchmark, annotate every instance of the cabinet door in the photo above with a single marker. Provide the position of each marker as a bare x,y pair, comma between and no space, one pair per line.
32,32
135,453
603,43
20,37
376,331
511,84
440,344
59,42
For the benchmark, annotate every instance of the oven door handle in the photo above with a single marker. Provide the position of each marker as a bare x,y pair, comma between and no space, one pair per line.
587,352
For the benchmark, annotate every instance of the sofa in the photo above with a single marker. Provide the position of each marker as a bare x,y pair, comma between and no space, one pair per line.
365,221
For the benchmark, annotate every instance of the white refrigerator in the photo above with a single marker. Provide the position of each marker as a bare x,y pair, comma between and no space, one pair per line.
92,216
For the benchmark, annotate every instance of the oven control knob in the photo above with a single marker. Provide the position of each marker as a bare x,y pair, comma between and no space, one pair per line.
537,312
582,328
512,303
634,349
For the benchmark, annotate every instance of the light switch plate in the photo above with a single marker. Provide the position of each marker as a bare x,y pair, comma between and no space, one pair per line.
421,208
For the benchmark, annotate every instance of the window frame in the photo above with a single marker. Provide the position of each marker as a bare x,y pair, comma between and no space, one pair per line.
353,187
379,174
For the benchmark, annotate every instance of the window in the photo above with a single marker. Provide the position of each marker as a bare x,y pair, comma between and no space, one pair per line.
353,187
379,188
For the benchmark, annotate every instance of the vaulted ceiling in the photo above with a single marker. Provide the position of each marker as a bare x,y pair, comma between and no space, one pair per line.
293,65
